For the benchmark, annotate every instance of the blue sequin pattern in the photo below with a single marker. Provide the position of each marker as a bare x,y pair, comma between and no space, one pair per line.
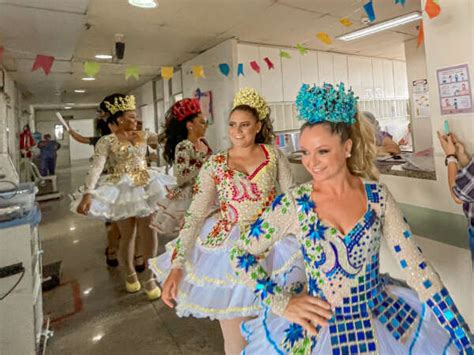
326,103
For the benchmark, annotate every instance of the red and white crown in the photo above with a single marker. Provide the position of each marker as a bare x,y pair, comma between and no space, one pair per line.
185,108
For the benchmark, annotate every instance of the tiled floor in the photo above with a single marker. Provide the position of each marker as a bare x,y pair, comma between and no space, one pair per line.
92,314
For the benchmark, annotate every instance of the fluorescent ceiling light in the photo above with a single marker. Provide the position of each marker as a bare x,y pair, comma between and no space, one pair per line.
103,56
67,107
79,91
146,4
88,79
382,26
70,104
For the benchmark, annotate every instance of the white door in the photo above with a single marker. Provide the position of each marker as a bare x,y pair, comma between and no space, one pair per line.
80,151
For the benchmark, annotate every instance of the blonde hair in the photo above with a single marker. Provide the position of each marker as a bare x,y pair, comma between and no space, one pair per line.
364,151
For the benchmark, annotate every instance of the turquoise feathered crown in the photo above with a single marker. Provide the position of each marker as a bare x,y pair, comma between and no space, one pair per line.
326,104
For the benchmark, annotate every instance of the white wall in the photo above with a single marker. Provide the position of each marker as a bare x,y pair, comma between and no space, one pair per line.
416,70
45,120
223,88
448,41
145,102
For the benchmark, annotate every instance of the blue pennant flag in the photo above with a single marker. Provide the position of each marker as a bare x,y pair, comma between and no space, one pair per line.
401,2
369,10
240,69
224,68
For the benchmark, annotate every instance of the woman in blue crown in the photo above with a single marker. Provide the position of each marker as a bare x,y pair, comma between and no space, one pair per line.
339,219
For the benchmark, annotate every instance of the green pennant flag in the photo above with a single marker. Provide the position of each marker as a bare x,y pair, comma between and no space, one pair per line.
284,54
303,50
132,71
91,69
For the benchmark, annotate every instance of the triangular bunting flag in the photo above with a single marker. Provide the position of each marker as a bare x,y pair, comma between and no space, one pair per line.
401,2
91,69
240,69
346,22
269,63
421,35
302,49
132,71
198,71
44,62
224,69
254,65
369,10
324,37
284,54
167,72
432,9
2,50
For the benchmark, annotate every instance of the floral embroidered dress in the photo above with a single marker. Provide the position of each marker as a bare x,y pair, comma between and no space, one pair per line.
224,202
369,315
188,162
130,188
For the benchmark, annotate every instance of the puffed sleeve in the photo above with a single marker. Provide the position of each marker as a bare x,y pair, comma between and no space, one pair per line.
275,222
187,162
201,206
421,276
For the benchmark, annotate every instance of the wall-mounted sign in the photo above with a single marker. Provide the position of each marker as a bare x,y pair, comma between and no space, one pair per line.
421,100
454,89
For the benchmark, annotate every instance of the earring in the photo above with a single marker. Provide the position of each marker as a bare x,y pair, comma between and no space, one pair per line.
348,155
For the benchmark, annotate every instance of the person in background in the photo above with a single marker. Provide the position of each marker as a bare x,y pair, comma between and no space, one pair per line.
48,153
460,165
26,142
384,140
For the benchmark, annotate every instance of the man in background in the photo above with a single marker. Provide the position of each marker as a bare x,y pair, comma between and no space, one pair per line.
48,154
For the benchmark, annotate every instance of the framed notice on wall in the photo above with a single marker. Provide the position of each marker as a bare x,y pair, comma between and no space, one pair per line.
421,100
455,93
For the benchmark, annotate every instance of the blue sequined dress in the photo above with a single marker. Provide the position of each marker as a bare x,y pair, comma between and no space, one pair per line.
370,316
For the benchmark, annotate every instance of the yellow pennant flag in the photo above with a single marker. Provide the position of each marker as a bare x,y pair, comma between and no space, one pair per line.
167,72
324,37
91,69
346,22
198,71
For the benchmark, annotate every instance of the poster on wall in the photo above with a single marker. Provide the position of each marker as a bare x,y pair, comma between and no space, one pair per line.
454,89
421,100
205,100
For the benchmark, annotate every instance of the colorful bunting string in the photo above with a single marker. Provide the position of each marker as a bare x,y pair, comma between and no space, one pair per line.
132,71
324,37
240,69
167,72
224,69
302,49
254,65
198,71
284,54
369,10
346,22
432,9
91,69
421,35
269,63
44,62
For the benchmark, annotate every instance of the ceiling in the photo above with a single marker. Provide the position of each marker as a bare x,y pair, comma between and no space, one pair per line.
177,30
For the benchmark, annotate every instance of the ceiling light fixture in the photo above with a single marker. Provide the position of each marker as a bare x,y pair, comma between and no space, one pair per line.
103,56
382,26
145,4
67,107
79,91
90,78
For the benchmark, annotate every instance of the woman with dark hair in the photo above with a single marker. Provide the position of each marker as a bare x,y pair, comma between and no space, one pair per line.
231,189
130,193
186,150
339,220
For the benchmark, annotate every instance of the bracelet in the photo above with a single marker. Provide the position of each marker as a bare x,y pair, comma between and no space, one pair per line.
450,158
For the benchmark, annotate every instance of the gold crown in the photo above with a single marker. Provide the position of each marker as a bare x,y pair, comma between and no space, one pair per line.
250,97
123,104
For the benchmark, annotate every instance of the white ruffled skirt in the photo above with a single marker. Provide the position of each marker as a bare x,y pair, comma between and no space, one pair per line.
121,200
210,287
